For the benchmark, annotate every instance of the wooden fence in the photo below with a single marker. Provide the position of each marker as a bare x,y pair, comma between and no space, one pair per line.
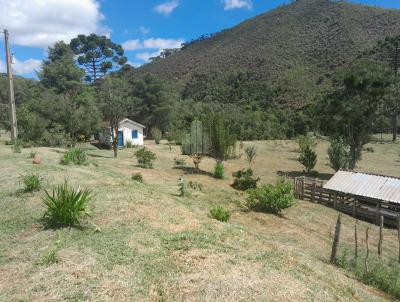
364,208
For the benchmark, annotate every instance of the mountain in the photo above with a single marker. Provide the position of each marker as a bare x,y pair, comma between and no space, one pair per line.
314,37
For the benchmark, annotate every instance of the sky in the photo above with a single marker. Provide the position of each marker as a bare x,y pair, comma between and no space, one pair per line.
143,27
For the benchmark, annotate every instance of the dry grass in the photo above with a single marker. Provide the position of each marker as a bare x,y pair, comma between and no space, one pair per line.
156,246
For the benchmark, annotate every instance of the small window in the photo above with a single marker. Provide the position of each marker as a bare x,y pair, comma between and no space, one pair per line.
134,134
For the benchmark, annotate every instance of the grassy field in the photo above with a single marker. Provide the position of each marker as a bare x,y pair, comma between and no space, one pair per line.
145,243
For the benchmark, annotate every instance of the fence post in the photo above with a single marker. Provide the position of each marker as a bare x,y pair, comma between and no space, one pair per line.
334,200
313,192
355,242
377,214
380,236
302,187
367,253
398,233
336,239
320,193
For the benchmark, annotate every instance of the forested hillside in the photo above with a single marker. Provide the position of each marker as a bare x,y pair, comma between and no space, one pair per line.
295,48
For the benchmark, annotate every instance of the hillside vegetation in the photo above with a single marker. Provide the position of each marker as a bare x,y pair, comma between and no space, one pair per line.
146,243
310,38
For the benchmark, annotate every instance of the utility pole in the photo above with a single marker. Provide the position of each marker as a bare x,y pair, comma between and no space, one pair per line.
13,115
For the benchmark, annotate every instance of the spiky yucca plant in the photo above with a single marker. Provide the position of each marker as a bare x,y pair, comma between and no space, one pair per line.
66,205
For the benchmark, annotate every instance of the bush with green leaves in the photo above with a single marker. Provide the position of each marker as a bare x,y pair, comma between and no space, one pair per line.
137,177
251,153
179,162
244,180
305,141
17,146
76,156
219,170
308,158
271,198
65,205
32,154
145,158
156,134
338,154
220,213
182,187
32,182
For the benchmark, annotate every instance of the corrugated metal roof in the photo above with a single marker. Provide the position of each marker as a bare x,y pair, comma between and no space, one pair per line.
368,185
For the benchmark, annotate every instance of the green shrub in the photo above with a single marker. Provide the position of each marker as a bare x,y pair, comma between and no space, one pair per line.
308,158
129,144
137,177
306,141
65,205
145,158
156,134
17,146
182,187
32,154
32,182
220,214
50,258
244,180
179,162
194,185
251,153
338,154
76,156
271,198
219,170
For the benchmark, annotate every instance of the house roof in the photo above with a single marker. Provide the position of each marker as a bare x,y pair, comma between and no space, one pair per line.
107,123
380,187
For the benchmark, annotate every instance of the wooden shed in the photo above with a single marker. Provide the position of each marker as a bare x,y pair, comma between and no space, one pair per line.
362,195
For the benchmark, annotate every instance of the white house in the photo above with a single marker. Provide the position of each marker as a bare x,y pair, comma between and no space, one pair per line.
128,131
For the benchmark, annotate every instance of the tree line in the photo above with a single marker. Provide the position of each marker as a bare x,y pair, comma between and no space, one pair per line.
86,82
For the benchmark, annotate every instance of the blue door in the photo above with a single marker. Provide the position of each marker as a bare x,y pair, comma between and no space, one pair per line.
120,139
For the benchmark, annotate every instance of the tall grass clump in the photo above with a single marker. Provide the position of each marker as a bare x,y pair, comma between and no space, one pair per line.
17,146
251,153
381,274
220,213
271,198
65,205
76,156
156,134
32,182
219,170
137,177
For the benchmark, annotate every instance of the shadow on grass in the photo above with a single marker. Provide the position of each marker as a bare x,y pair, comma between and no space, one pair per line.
192,170
294,174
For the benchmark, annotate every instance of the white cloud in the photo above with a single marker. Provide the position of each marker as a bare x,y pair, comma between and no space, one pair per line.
144,30
145,56
40,23
22,67
167,8
234,4
132,45
149,45
152,43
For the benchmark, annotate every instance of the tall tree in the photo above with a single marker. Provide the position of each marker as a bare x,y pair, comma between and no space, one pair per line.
350,111
97,55
115,102
391,105
388,50
59,71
